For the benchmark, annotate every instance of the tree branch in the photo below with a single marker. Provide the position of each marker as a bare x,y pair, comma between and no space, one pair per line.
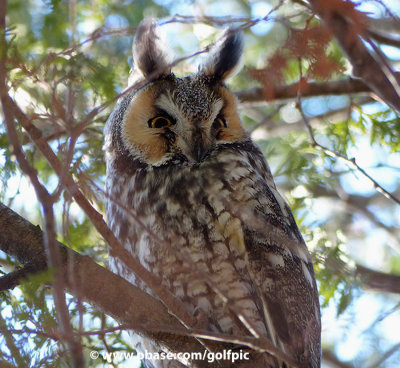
331,358
376,280
102,288
358,203
378,362
310,89
349,28
388,24
46,200
13,279
18,358
349,161
97,286
384,38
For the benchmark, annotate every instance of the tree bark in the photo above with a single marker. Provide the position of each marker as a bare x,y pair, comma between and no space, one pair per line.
350,28
116,297
343,86
375,280
92,283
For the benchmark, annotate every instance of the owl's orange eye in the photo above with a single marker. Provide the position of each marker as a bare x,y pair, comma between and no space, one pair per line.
160,121
219,122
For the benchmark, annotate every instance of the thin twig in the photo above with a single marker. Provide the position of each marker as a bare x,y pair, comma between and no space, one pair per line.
349,161
16,355
385,356
46,200
381,317
52,251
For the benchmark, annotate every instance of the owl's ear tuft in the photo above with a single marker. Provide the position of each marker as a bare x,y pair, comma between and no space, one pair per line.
150,53
224,58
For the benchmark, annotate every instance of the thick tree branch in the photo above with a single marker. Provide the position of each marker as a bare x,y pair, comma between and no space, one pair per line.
349,30
97,286
102,288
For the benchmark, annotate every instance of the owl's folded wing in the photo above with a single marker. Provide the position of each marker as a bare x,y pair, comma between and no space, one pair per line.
281,269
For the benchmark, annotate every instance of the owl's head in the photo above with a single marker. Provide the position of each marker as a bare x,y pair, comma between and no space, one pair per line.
173,119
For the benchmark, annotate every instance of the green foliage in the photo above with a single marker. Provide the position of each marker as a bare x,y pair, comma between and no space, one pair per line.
53,32
333,280
385,129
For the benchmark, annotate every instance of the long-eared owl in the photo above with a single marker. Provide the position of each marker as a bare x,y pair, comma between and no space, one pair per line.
208,219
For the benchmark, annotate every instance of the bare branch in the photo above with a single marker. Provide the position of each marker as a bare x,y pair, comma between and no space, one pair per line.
376,280
359,203
389,24
257,344
367,64
308,89
13,279
367,278
97,286
384,38
47,201
381,317
385,356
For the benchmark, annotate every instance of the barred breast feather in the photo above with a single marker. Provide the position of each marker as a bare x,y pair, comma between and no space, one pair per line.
222,227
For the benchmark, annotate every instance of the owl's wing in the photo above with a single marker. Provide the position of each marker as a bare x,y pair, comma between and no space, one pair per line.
280,267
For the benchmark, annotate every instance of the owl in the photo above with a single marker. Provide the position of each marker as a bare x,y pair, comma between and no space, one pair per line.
192,198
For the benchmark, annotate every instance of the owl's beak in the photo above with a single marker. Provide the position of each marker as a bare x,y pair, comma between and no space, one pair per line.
199,148
199,151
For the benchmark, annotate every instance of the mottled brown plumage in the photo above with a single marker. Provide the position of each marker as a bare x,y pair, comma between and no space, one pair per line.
179,159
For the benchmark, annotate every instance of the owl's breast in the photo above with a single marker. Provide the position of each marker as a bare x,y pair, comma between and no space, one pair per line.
181,224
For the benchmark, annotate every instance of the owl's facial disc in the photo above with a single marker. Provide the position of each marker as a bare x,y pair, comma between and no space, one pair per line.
161,125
